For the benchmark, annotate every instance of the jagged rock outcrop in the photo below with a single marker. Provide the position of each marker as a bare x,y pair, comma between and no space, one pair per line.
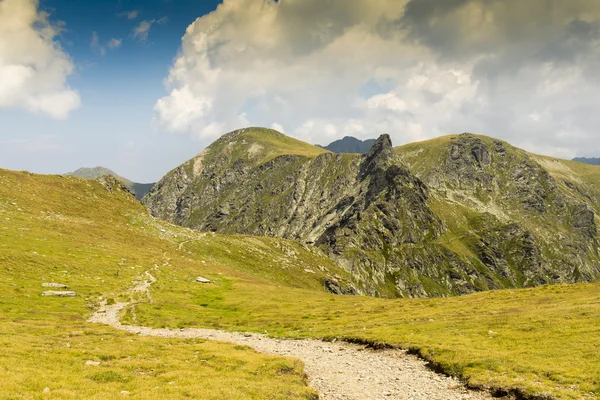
529,226
470,216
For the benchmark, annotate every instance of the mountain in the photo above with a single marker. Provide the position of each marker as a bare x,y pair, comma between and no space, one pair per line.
96,239
591,161
138,189
350,144
454,215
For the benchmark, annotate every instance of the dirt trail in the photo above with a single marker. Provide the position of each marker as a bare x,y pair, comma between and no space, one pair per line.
339,371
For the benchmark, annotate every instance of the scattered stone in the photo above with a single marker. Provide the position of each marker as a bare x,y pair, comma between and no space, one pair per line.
54,285
47,390
310,271
125,393
54,293
91,362
202,280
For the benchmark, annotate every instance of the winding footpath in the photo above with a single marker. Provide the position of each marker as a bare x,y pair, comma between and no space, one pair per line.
338,371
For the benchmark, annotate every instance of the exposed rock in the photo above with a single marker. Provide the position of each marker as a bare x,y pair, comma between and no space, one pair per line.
469,219
54,285
92,363
54,293
202,280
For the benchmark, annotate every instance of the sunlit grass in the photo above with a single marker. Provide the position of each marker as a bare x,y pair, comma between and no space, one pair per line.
67,230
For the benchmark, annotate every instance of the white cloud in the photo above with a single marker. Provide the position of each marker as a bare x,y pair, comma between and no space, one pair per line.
325,70
101,49
133,14
33,67
142,31
114,43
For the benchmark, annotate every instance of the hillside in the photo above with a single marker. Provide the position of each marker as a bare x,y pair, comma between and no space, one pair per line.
95,238
454,215
138,189
350,145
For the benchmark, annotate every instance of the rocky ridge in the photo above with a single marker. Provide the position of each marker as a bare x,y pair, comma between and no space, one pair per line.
462,214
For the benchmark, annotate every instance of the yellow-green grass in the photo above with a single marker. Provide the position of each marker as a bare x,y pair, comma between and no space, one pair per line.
537,341
261,145
76,232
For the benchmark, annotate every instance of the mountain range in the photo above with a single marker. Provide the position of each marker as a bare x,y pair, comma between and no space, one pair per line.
138,189
449,216
590,161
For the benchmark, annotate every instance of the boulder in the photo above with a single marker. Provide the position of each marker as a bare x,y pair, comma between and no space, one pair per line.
202,280
55,293
54,285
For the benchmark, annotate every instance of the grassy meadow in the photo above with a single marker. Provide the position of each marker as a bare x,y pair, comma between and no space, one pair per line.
541,342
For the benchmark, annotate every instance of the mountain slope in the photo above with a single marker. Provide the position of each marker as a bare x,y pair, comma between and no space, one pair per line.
350,145
95,238
139,189
511,209
450,216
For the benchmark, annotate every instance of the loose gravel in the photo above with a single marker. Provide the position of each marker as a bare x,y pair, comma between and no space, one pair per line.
338,371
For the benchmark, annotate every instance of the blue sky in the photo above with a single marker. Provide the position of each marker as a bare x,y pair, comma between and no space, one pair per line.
141,86
118,90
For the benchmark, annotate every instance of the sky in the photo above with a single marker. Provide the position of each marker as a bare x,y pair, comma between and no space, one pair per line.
139,86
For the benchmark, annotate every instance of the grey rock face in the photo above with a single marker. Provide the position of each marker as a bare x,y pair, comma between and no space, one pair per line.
393,230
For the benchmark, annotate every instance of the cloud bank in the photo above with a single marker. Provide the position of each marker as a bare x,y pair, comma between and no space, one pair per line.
523,71
33,67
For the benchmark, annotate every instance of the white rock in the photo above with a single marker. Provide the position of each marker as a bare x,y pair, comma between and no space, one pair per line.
53,293
91,362
54,285
202,280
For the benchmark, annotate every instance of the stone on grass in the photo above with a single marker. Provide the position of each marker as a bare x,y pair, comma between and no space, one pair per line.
55,293
54,285
202,280
91,362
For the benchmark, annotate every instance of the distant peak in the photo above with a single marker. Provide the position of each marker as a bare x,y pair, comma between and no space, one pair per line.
350,144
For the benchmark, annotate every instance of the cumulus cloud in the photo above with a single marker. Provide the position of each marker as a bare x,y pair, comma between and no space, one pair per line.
33,67
142,31
523,71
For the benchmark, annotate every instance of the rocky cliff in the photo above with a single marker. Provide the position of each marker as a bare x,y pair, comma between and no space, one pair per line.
447,218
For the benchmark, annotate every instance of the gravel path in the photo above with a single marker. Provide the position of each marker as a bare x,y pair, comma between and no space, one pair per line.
337,370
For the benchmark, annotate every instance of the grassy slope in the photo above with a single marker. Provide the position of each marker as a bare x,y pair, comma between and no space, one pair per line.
541,340
258,146
74,231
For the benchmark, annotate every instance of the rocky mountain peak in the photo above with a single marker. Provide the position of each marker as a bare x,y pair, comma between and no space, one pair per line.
453,215
380,156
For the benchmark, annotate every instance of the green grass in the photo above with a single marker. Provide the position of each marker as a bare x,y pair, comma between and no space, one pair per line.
537,341
260,145
75,232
